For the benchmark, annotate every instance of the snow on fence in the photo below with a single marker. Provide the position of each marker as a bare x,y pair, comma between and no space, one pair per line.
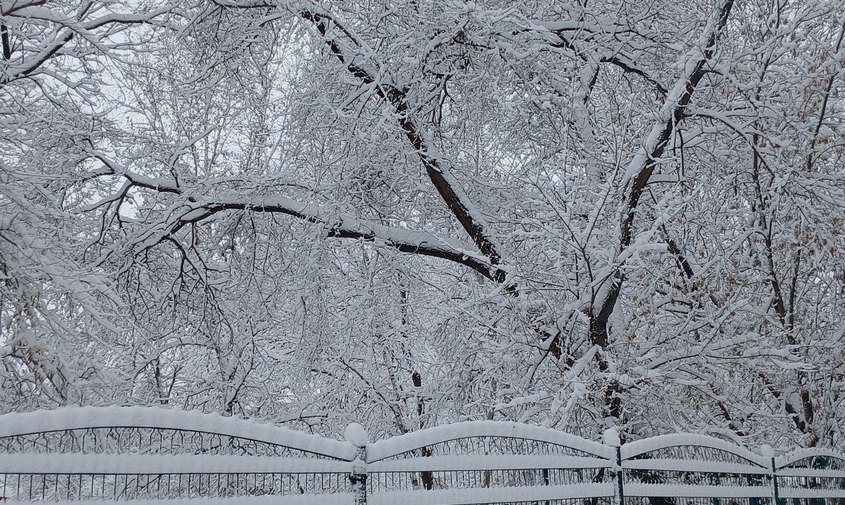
159,456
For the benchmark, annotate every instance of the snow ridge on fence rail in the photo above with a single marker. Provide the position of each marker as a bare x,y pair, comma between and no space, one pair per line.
80,418
161,456
649,445
395,446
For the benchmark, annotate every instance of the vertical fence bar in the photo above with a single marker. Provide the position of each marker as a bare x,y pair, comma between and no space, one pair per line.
357,436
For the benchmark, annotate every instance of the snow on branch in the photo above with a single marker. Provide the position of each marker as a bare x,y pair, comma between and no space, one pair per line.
562,34
194,208
67,26
642,165
361,62
347,226
671,112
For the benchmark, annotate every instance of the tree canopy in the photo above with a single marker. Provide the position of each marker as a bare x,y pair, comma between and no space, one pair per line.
580,214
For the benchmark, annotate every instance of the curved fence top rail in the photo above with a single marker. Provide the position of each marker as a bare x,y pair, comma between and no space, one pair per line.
799,454
501,429
640,447
80,418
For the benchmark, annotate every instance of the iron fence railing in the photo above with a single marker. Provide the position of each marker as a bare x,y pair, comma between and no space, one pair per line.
161,456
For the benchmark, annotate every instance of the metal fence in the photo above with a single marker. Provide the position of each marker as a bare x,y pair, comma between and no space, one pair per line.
153,455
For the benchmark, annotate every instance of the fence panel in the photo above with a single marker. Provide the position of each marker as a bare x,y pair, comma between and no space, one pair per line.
134,453
489,462
694,469
811,477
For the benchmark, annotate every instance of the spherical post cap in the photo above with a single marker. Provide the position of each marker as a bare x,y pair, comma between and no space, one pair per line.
356,435
611,437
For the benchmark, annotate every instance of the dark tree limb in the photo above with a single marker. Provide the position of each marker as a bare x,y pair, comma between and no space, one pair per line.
348,53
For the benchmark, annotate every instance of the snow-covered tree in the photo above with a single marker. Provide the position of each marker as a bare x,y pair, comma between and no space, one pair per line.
579,214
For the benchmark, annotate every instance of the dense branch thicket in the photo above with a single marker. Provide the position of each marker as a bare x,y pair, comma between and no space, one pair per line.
578,214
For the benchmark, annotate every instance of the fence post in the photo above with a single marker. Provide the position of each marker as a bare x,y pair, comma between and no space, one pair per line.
767,450
611,439
775,491
357,436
